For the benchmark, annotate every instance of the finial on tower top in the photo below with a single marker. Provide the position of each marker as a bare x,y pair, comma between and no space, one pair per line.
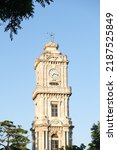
52,36
51,46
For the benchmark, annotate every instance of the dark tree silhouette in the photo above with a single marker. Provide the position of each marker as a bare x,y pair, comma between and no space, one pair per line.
95,135
12,137
13,12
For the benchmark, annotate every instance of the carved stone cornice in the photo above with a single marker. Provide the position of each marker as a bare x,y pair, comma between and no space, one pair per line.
51,90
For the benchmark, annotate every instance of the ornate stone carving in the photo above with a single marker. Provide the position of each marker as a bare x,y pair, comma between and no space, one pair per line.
45,95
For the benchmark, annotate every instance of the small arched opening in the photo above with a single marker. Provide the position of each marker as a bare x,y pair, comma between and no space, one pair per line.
54,142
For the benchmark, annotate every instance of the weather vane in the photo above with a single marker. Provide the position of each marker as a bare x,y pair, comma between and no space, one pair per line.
52,36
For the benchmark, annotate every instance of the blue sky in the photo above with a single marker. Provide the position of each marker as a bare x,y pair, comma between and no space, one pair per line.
76,27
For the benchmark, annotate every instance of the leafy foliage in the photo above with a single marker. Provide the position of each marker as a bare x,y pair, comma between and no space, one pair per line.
74,147
95,135
13,12
12,137
43,2
95,143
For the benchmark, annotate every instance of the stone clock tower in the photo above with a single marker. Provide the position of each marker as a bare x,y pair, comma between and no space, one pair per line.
52,127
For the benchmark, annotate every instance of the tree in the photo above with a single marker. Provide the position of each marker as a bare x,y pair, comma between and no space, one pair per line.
95,135
12,137
13,12
74,147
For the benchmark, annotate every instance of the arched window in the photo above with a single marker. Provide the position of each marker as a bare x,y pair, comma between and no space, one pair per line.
54,142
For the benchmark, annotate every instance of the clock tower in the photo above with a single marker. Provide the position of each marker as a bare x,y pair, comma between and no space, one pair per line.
52,126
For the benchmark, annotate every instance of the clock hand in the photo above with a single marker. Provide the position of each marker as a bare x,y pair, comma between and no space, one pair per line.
54,74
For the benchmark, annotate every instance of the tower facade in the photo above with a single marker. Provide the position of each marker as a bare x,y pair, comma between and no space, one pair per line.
52,127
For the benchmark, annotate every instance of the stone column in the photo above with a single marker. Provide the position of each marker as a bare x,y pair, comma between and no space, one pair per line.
42,140
41,74
37,140
44,74
41,108
64,106
62,78
67,138
59,146
65,99
47,140
49,108
43,105
65,75
68,106
36,110
59,109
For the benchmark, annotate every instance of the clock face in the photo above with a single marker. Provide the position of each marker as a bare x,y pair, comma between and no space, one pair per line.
54,73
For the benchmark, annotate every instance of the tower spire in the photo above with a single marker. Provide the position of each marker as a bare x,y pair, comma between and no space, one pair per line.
51,36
